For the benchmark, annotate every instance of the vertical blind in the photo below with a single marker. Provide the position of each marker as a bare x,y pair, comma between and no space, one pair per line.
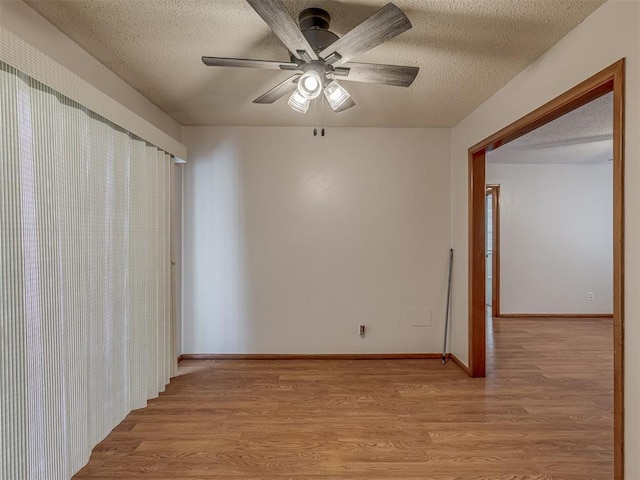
85,313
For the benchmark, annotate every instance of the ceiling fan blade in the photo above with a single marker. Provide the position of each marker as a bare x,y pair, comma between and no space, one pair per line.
348,103
279,91
244,62
275,14
399,75
386,23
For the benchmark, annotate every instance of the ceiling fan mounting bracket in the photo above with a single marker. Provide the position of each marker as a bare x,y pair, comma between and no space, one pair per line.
297,66
339,71
314,18
314,25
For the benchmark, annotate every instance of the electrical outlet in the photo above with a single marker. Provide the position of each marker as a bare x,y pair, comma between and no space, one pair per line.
362,329
590,295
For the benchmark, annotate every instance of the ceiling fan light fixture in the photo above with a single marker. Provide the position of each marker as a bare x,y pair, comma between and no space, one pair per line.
310,84
298,102
336,94
318,55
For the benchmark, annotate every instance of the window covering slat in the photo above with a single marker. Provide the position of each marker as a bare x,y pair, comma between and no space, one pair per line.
21,55
84,281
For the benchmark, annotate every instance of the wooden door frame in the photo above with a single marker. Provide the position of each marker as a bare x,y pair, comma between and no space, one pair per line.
611,79
494,191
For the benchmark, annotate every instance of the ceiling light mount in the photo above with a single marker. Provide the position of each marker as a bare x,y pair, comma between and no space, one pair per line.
314,25
314,18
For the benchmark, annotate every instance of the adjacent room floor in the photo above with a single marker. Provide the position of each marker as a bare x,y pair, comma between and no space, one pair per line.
543,412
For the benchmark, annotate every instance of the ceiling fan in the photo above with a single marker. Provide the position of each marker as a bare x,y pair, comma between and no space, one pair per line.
319,57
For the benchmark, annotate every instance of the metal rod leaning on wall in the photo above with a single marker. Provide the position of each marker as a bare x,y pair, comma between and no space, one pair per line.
446,318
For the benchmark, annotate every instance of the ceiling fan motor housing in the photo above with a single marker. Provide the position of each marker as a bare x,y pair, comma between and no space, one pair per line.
314,24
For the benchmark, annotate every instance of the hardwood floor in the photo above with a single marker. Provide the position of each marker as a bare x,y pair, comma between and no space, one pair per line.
543,412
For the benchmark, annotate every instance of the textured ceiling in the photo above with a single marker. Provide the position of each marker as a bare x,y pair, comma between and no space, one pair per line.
466,51
582,136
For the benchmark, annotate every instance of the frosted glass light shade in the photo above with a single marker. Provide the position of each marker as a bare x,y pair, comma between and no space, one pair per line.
298,102
335,94
310,84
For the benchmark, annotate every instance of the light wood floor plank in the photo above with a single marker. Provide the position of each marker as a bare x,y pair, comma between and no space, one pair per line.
544,412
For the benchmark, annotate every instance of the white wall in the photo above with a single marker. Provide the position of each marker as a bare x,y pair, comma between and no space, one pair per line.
555,237
610,33
292,240
20,19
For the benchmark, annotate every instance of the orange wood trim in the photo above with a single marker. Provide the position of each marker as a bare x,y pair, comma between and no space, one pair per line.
494,191
599,84
611,79
312,356
618,267
496,251
477,269
458,362
180,358
577,316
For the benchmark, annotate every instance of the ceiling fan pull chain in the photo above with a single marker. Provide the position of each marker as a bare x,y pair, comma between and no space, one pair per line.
315,117
322,115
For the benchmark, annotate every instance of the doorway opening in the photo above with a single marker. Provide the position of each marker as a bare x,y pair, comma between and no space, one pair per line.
608,80
492,255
